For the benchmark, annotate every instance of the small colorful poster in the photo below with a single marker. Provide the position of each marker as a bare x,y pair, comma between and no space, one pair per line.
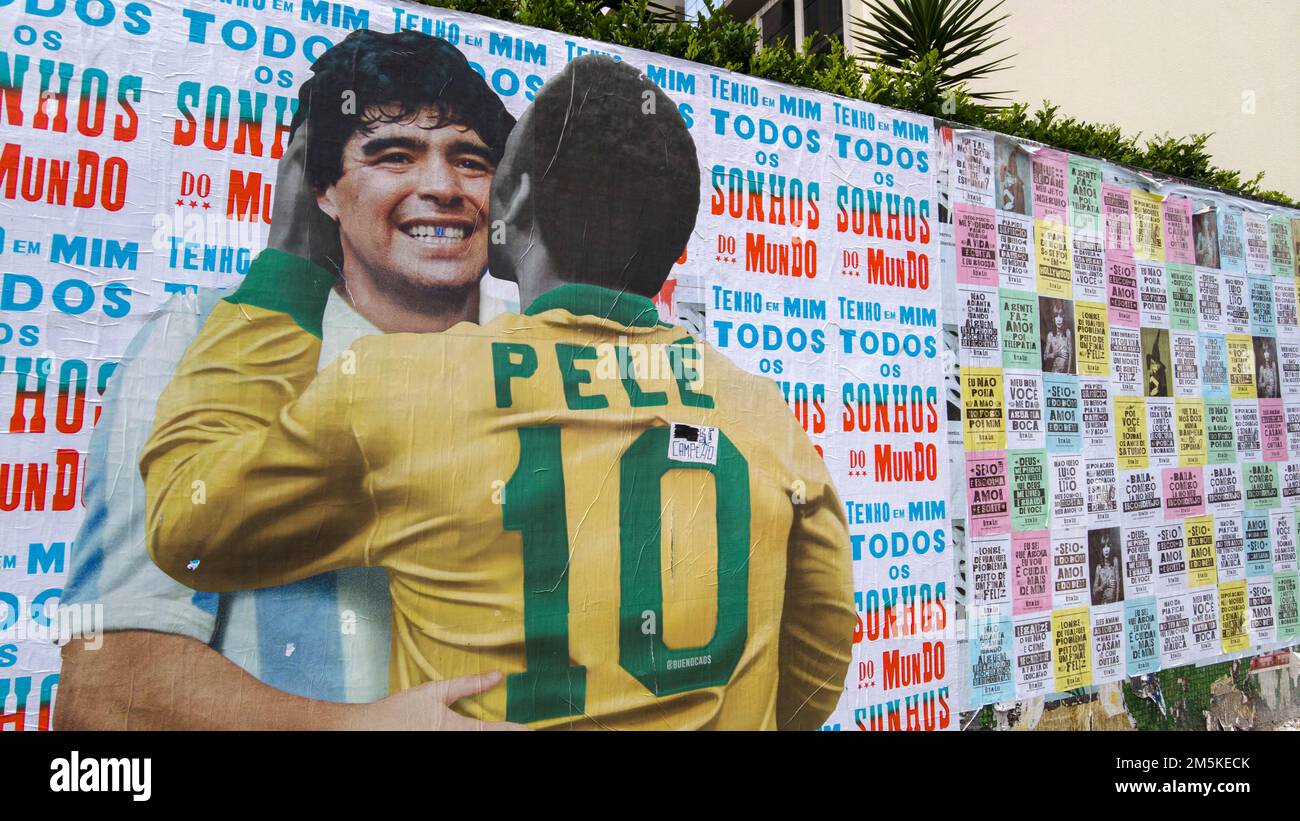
1122,290
1186,350
1177,218
982,409
1108,659
1139,562
1257,259
1259,544
1071,649
1070,571
1232,240
1282,523
1286,606
1220,433
1171,559
981,345
1016,267
1052,254
1234,624
1229,548
1019,330
1280,249
1029,510
1200,552
1051,201
1224,490
975,230
1117,213
1272,430
1236,304
1141,496
1190,423
1034,667
1175,630
1214,367
1094,399
1061,408
1068,505
1024,409
1153,295
1184,492
1246,430
990,560
1209,290
1103,493
991,653
1141,636
1092,330
973,169
1259,603
1031,572
1148,231
1183,314
1162,444
988,498
1241,366
1260,479
1204,611
1131,432
1126,362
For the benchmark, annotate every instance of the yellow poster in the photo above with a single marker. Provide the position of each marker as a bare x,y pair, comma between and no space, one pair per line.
1148,230
1130,432
1092,331
1241,366
1232,616
982,409
1072,656
1200,551
1189,423
1052,251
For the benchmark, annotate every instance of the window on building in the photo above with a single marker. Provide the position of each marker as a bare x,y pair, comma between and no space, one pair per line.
824,19
778,22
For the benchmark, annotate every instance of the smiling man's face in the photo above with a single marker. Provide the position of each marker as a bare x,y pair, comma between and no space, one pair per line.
412,204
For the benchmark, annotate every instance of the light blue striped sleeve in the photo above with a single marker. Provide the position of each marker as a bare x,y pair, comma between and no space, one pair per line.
110,564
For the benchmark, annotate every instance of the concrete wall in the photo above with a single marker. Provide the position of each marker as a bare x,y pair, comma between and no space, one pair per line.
1231,67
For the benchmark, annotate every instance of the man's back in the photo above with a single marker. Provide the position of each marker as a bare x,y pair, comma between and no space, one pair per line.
605,503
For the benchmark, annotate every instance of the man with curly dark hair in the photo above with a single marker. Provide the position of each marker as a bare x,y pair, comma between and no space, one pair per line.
395,141
527,481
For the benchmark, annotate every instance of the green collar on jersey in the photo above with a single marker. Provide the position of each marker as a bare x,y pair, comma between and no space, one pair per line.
579,298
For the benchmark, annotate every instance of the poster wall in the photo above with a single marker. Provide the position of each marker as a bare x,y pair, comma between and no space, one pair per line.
142,162
1142,463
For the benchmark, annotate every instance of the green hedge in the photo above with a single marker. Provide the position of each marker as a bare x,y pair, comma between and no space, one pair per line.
716,39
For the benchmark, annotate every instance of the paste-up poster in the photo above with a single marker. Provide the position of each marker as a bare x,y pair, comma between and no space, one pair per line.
1117,214
1236,304
1199,531
1288,359
1092,330
1034,667
1232,240
1088,258
1141,636
1141,496
1177,218
1220,433
981,345
1031,572
1016,266
1171,558
1068,510
1052,255
1126,375
1295,244
1157,376
1189,421
1282,524
1162,444
1139,562
1214,367
1241,366
1259,544
1051,202
1122,290
1209,292
1259,604
982,409
1024,400
1019,330
988,497
1105,568
1131,432
1260,479
1183,314
1225,491
1070,571
1186,351
1263,321
1095,411
1153,295
1290,484
1029,504
1284,307
1292,410
1103,491
1204,613
1257,261
1085,196
1205,228
1175,630
991,650
1234,621
1108,660
1061,409
1280,247
1264,358
1286,606
1272,430
972,176
1229,548
990,561
975,230
1056,335
1071,649
1246,430
1184,490
1148,231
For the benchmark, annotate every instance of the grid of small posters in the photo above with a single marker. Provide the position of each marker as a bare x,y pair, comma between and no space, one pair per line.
1130,369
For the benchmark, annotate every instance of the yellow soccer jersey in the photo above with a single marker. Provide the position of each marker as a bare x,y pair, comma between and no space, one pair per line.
634,531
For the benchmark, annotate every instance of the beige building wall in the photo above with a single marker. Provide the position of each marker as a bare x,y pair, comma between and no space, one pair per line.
1231,67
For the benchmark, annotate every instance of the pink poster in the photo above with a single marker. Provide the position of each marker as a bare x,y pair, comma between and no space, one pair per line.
987,494
1051,201
1272,430
1117,211
1122,288
1178,230
1184,492
1031,562
977,239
